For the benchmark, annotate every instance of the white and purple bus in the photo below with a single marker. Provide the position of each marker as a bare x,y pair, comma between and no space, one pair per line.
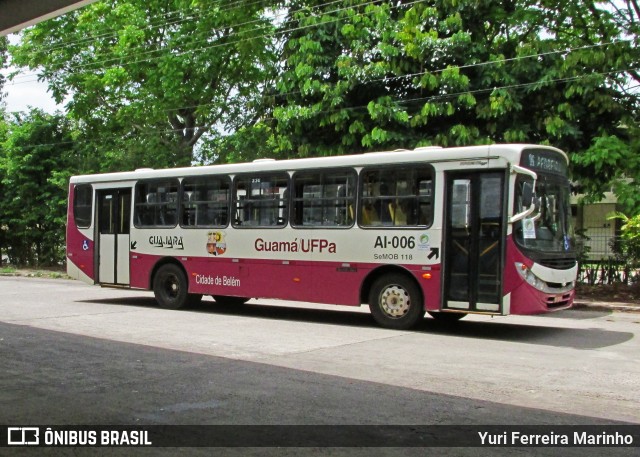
453,231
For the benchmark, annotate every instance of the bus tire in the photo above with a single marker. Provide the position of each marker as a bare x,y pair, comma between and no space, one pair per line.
395,302
225,300
170,287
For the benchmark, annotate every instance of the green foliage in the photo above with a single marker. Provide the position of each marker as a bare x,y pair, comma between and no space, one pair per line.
3,60
246,145
3,166
149,78
37,160
360,76
630,235
174,82
611,162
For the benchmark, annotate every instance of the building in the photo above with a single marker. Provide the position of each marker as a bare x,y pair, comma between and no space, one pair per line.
592,220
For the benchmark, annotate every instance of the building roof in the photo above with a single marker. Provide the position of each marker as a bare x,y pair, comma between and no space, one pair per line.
18,14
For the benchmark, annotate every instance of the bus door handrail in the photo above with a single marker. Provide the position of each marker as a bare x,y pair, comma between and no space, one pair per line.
532,207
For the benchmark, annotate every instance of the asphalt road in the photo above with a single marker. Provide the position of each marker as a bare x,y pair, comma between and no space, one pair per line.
77,354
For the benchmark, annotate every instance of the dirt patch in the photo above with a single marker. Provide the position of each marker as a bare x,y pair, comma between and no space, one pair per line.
615,293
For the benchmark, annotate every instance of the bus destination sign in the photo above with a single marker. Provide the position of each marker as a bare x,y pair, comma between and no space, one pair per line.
544,160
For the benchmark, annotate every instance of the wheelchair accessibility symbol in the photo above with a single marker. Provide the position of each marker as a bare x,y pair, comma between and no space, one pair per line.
85,245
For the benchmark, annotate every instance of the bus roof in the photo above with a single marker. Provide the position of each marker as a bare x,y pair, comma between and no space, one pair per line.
431,154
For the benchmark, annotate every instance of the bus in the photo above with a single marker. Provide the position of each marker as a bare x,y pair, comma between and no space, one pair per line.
444,231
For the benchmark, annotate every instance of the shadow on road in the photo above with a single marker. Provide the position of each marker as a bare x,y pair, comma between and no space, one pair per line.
501,330
579,314
74,379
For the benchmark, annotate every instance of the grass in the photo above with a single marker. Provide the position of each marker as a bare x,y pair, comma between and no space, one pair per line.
33,273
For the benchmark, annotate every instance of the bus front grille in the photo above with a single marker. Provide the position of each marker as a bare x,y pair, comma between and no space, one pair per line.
559,263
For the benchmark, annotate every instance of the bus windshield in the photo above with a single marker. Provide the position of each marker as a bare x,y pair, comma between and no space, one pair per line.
549,228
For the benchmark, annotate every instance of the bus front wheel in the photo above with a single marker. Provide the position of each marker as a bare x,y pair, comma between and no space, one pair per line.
170,287
395,302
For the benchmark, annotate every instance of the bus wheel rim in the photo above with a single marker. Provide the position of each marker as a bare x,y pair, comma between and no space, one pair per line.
171,286
395,301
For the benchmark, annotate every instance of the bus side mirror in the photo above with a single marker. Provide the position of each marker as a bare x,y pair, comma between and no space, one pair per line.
528,197
527,194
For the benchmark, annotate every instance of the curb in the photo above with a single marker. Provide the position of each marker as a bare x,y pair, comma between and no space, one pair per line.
606,306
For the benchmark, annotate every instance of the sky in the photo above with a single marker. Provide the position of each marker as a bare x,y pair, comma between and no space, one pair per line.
25,91
21,96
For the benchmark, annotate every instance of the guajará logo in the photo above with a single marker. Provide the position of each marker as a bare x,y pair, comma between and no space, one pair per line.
216,245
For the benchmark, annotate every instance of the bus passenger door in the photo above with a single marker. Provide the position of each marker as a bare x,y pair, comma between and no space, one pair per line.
474,241
114,221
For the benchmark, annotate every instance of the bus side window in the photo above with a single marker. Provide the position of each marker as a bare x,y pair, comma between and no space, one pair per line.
398,196
424,210
324,198
261,200
369,215
397,213
205,202
156,203
83,205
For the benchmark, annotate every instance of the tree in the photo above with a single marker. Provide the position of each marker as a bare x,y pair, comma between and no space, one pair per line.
361,76
38,158
3,137
3,63
629,243
606,33
150,78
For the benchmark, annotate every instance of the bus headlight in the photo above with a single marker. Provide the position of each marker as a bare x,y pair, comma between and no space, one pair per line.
531,278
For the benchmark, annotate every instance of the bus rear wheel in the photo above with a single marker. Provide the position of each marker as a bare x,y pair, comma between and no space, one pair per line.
395,302
170,287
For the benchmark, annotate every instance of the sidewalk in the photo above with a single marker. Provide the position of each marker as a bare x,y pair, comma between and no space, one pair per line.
606,306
